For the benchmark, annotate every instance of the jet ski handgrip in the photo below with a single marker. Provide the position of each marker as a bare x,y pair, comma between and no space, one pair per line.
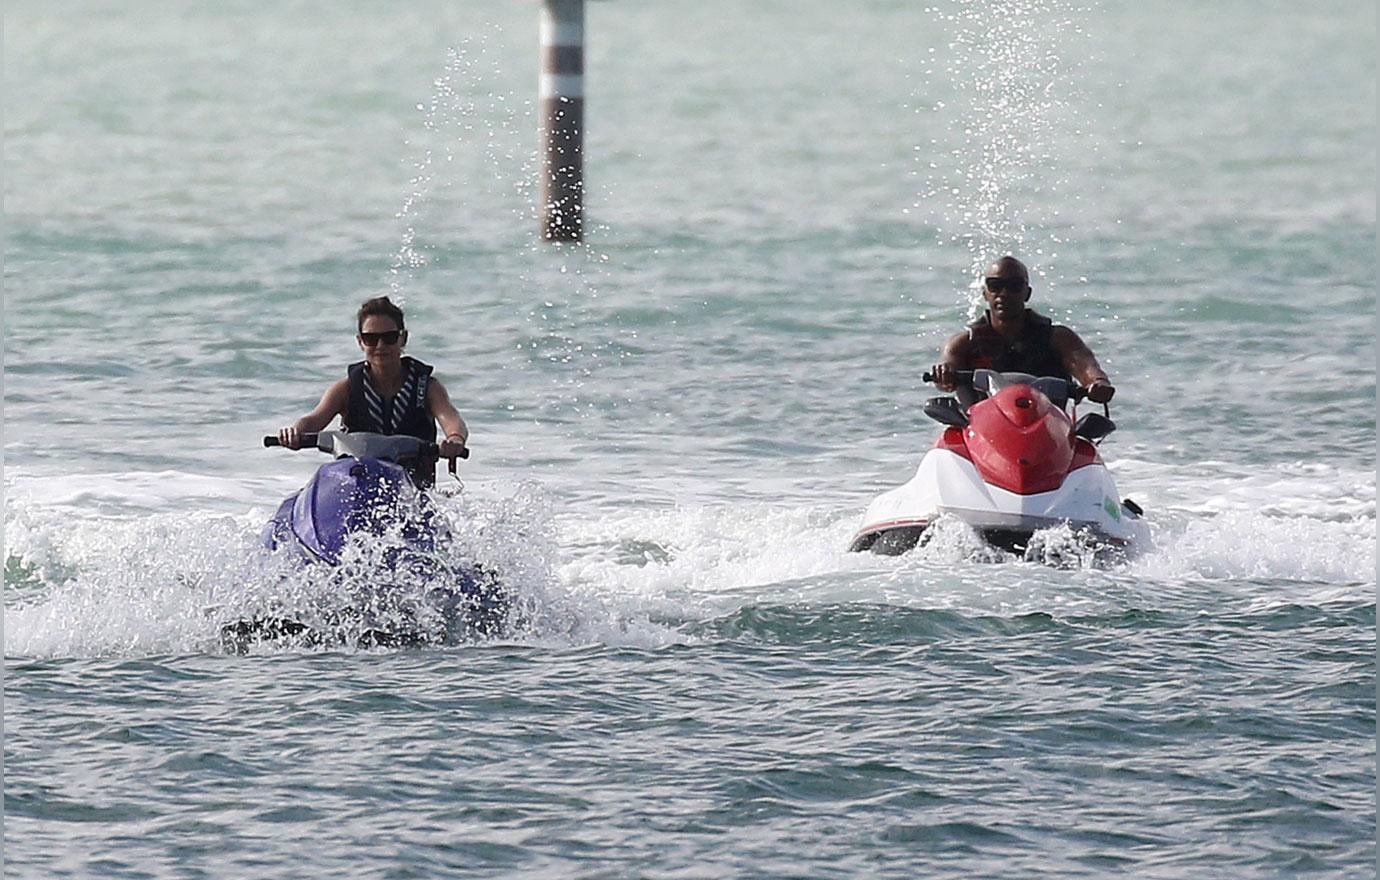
308,441
961,377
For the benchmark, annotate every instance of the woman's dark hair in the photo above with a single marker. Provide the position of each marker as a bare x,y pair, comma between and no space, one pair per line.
379,305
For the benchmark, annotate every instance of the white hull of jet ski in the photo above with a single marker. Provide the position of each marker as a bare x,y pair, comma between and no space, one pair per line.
947,483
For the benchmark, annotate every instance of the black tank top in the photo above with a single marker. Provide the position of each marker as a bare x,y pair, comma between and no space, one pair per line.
405,413
1031,352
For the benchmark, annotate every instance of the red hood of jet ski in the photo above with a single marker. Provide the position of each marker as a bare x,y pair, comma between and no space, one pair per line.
1020,442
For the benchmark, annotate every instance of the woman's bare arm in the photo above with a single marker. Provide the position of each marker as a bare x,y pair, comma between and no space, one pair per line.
332,404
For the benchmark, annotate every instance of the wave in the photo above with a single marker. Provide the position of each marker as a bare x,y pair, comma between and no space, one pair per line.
90,571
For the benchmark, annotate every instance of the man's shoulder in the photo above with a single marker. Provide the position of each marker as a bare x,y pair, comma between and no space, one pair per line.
959,340
1062,336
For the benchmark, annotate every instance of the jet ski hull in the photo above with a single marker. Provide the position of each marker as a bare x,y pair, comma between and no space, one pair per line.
348,497
473,606
948,484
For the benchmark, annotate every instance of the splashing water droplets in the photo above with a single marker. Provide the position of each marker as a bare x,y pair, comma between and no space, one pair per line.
997,190
459,96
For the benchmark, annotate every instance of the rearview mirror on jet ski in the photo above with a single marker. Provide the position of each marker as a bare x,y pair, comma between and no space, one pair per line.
946,411
1094,426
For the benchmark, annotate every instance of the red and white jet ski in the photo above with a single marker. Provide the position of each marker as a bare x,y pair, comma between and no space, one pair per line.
1011,464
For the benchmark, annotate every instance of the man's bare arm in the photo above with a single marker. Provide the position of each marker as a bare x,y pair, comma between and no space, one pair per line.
954,356
1082,364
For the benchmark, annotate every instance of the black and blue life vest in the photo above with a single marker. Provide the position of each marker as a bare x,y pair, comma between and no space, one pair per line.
404,413
1032,352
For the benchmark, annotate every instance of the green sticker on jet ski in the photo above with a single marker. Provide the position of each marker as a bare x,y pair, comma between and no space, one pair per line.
1113,509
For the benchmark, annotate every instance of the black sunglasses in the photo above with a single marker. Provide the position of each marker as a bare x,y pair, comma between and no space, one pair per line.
387,337
997,285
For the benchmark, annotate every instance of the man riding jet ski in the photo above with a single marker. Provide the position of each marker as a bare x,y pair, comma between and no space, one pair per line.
1011,461
1011,338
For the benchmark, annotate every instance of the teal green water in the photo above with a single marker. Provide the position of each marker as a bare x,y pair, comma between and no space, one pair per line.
675,429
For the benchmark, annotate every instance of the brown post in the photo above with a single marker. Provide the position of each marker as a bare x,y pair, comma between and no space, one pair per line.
562,119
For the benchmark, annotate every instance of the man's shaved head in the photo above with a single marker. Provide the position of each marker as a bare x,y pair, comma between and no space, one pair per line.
1008,267
1006,287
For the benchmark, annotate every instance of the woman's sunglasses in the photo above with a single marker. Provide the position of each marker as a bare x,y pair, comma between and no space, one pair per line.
387,337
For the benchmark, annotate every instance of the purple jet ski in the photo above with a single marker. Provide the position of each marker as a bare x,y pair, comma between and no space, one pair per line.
366,490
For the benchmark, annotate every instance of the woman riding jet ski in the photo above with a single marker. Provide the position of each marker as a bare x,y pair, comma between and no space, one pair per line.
1011,461
387,393
389,406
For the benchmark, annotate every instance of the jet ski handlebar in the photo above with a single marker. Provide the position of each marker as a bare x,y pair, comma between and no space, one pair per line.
312,441
964,378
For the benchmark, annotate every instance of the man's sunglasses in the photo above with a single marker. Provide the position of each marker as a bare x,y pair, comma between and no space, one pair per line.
997,285
387,337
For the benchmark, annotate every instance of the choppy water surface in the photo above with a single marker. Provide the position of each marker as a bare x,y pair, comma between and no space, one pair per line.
675,431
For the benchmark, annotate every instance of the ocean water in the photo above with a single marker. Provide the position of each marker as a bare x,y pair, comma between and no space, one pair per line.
675,429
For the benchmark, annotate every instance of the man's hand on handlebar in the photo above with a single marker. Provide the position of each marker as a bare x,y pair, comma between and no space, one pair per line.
943,377
1100,391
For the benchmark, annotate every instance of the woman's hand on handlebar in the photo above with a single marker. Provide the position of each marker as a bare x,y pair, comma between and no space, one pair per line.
452,447
290,437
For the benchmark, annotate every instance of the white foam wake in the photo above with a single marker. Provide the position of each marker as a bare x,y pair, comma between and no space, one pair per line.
128,581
